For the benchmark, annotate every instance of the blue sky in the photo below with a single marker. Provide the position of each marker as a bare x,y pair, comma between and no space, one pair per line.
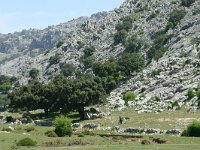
16,15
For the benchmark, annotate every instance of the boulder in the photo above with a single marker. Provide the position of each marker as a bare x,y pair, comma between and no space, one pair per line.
133,130
43,123
173,131
152,131
76,125
90,126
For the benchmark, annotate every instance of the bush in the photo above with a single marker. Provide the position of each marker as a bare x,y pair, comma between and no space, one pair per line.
68,69
89,51
187,3
63,126
192,130
145,142
30,128
129,96
176,16
54,59
29,119
33,73
26,142
59,44
133,45
120,37
51,134
190,93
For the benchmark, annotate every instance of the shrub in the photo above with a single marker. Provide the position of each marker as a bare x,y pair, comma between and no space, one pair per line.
145,142
63,126
30,128
51,134
190,93
89,51
133,44
187,3
54,59
87,132
68,69
29,119
120,37
33,73
59,44
176,16
128,96
26,142
193,129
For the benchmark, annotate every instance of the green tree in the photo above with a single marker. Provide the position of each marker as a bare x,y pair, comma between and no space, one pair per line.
105,69
187,3
120,37
33,73
133,45
131,62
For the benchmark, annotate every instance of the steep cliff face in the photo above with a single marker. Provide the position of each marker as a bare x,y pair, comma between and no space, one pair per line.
167,78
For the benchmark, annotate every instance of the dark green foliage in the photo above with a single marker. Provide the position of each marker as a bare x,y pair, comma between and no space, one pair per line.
157,99
3,100
187,3
122,30
63,126
126,24
26,142
169,25
151,16
54,59
51,134
105,69
128,96
68,69
190,93
120,36
30,128
9,118
80,45
176,16
133,45
87,61
145,142
59,44
29,119
157,50
89,51
131,62
196,11
33,73
192,130
5,87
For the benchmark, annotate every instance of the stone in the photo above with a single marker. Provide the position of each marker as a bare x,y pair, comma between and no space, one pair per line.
76,125
173,131
152,131
133,130
90,126
43,123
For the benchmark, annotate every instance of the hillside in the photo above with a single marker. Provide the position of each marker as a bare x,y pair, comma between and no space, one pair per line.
164,82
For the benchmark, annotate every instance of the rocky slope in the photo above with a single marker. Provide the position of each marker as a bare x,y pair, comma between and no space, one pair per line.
166,80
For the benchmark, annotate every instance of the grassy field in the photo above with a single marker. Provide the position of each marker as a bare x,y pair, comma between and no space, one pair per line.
165,120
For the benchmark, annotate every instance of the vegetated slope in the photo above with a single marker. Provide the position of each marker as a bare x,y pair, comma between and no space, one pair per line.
154,29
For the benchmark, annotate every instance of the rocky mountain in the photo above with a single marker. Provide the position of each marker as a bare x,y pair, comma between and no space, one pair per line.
163,83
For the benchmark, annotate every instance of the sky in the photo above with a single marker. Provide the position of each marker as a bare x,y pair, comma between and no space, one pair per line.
16,15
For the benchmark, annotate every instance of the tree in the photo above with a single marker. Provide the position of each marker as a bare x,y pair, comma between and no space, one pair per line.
105,69
187,3
120,37
133,45
86,92
33,73
131,62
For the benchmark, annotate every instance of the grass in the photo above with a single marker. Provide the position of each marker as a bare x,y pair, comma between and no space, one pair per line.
164,120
